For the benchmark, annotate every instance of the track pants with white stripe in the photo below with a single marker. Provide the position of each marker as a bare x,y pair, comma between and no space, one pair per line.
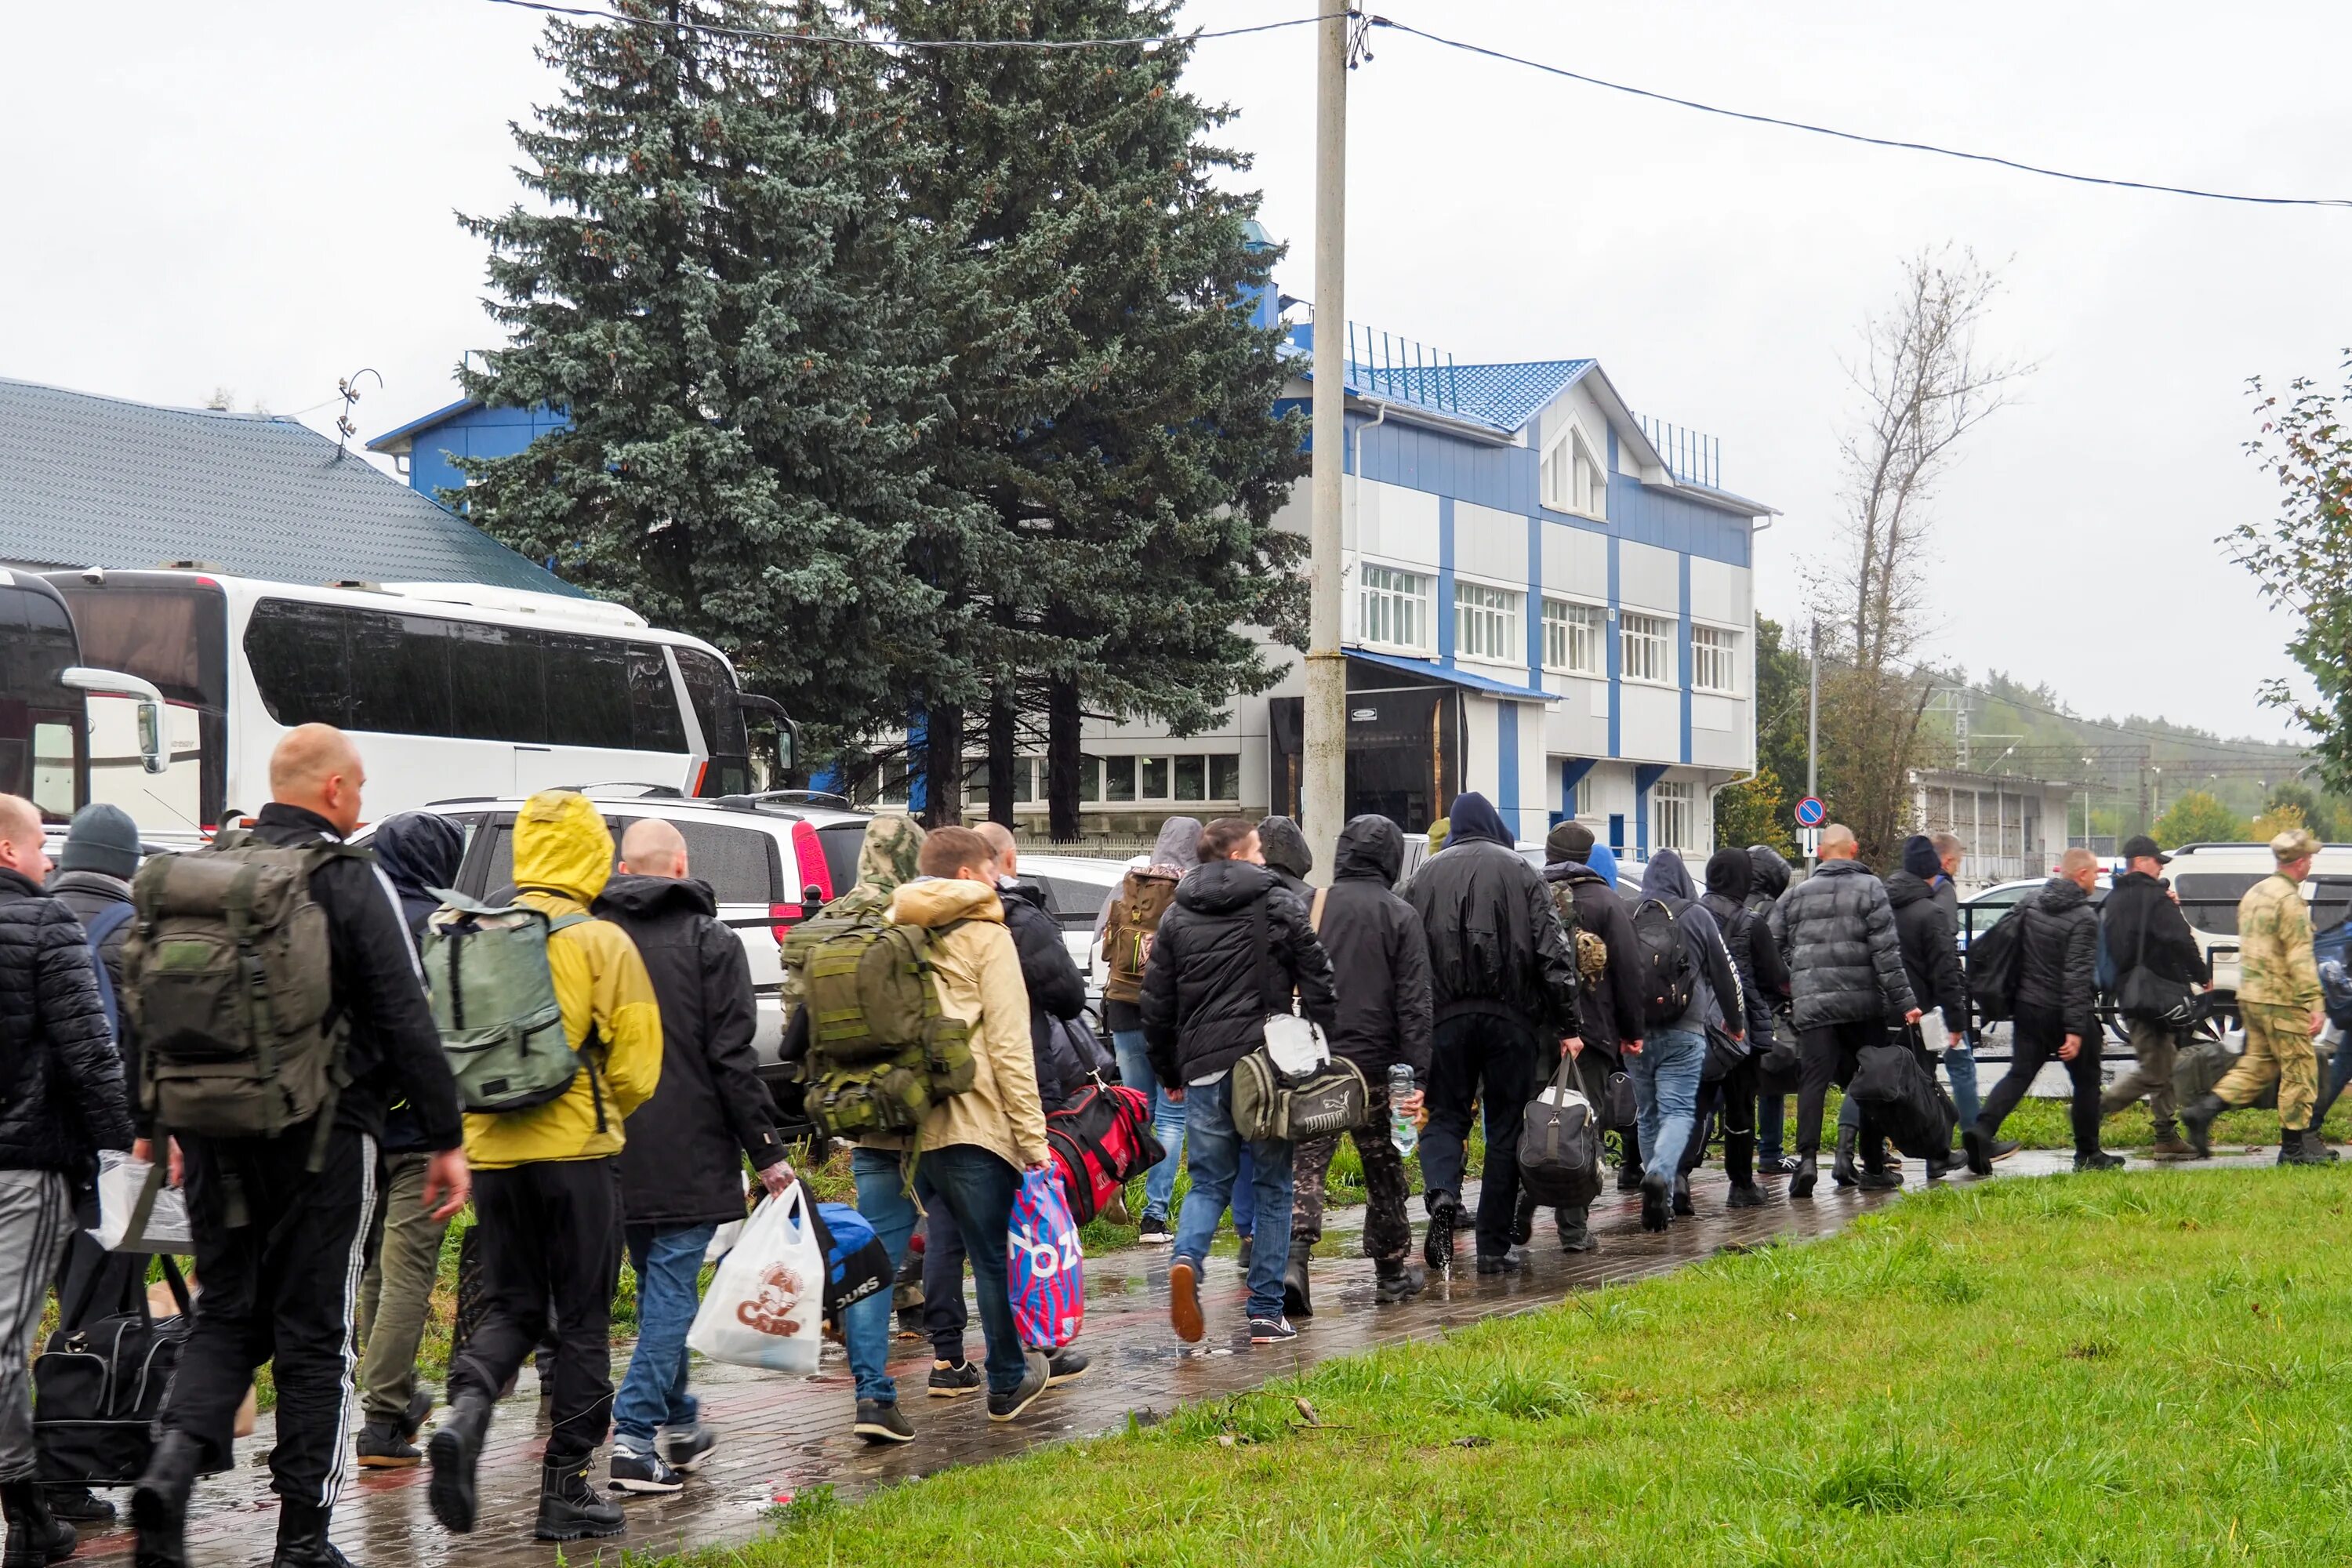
36,1217
279,1250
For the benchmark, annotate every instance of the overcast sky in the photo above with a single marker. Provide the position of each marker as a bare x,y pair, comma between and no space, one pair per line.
258,196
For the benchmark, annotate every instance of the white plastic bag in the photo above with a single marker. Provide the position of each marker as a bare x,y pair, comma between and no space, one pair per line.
766,1305
120,1180
723,1240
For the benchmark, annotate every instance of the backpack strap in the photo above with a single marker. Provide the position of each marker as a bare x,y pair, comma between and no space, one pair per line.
102,925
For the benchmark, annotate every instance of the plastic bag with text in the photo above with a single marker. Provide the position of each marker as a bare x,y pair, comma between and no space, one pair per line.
765,1306
1043,1266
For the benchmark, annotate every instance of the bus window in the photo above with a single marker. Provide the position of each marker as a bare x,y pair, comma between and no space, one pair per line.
42,745
712,691
172,631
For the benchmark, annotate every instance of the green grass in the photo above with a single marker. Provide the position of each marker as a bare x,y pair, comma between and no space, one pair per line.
2124,1370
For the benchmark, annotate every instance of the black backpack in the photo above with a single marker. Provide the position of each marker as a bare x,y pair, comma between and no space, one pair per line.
1992,967
1669,972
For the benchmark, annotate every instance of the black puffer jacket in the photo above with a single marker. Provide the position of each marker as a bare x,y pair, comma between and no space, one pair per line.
2058,957
1495,945
1931,948
2139,904
66,1100
1610,1012
1231,950
683,1161
1380,959
1836,932
1057,989
1763,983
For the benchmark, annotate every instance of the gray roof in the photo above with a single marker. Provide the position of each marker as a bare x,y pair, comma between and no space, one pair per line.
100,482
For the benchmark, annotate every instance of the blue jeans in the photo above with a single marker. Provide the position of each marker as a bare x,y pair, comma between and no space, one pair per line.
1961,1067
1217,1153
1772,1125
669,1264
1167,1123
977,1189
1665,1077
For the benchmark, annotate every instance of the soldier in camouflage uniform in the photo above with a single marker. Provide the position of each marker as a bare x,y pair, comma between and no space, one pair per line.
2278,997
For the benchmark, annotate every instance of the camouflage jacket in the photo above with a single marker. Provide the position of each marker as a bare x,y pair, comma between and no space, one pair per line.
886,858
2275,957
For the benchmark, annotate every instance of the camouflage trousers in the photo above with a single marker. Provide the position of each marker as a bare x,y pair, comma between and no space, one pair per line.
1388,1233
2278,1046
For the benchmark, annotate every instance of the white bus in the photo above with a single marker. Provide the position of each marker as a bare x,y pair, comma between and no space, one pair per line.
451,690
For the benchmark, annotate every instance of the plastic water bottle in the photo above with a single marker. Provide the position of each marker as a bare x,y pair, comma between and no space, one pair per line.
1402,1132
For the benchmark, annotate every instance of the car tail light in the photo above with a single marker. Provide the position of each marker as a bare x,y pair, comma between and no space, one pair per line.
809,870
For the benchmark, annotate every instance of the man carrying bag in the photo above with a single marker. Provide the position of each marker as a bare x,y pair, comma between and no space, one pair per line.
2158,961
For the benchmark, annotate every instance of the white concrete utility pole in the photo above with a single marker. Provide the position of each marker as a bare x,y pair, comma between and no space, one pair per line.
1323,779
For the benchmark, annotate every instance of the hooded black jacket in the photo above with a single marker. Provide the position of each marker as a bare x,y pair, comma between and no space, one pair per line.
1931,948
1380,959
2138,903
2058,957
1230,950
418,852
1763,982
394,1051
1611,1012
65,1100
1717,999
682,1163
1836,932
1286,854
1495,945
1057,989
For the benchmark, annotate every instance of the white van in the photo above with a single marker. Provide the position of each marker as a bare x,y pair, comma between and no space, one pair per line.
2210,879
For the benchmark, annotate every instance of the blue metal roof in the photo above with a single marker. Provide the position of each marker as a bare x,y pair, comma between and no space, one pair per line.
1431,669
1501,397
87,480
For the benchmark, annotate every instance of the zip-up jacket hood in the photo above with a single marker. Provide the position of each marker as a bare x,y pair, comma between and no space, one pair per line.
1370,849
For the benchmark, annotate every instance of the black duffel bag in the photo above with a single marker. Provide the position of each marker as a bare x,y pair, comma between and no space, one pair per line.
1903,1099
97,1389
1559,1143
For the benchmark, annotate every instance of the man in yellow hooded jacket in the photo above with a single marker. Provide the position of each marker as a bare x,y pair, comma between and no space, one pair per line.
547,1187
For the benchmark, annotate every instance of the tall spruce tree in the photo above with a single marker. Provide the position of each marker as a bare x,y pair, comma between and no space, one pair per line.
1111,405
715,288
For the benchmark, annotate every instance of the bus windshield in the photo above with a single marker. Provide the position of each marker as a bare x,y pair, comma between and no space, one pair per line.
44,754
172,630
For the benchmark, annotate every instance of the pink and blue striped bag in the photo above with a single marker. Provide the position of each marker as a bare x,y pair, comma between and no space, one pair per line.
1045,1269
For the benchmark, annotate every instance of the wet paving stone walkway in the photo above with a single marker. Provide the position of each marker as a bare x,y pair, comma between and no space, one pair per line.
781,1436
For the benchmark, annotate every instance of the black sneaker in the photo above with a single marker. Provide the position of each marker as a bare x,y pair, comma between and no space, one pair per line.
78,1505
1776,1166
1153,1232
1578,1236
1657,1200
381,1445
1513,1261
954,1380
878,1423
684,1448
1034,1379
1878,1181
635,1473
1066,1367
1273,1332
2098,1159
1744,1195
2002,1148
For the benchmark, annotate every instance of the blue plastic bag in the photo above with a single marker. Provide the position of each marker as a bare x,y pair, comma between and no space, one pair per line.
1044,1268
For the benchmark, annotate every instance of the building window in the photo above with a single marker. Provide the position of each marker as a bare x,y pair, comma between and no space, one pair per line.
1486,624
1674,817
1573,479
1394,609
1225,776
1119,779
1572,637
1645,648
1155,778
1584,795
1715,660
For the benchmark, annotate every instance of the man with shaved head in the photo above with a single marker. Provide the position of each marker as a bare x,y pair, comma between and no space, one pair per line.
61,1100
681,1167
2057,1010
280,1219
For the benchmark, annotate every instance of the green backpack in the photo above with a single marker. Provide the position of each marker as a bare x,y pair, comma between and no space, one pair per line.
494,1001
229,978
881,1052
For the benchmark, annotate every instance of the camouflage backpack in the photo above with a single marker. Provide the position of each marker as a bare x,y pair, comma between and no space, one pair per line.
881,1052
1144,896
1591,953
230,979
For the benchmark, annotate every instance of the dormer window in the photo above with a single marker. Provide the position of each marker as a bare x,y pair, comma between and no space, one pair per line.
1573,478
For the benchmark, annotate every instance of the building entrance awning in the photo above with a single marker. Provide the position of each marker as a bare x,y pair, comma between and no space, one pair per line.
1429,671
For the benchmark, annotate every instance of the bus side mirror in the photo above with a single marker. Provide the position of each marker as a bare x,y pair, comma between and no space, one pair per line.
788,734
153,741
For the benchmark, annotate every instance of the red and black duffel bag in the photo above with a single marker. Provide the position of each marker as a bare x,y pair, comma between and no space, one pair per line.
1101,1140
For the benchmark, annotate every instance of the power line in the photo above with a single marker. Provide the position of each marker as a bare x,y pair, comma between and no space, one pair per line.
1856,135
857,40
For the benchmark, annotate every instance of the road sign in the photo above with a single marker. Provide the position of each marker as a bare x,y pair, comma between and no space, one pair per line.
1811,812
1810,837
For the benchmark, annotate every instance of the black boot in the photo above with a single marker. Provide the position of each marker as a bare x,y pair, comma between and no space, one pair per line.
455,1450
1575,1230
1296,1301
36,1538
1683,1207
2197,1121
1628,1173
1396,1282
1657,1200
1841,1169
2299,1148
1437,1245
1801,1185
78,1505
302,1538
569,1508
1523,1220
158,1504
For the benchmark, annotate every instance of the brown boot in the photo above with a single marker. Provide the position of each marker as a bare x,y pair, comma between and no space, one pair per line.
2171,1145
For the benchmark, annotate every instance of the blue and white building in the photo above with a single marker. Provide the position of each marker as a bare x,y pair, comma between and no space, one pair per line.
1548,599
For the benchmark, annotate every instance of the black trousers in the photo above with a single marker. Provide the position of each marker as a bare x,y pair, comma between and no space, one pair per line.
1473,1058
2035,1037
280,1248
551,1241
945,1316
1830,1054
1733,1098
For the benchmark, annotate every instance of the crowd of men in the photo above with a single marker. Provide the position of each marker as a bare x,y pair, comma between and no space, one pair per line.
1682,1014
